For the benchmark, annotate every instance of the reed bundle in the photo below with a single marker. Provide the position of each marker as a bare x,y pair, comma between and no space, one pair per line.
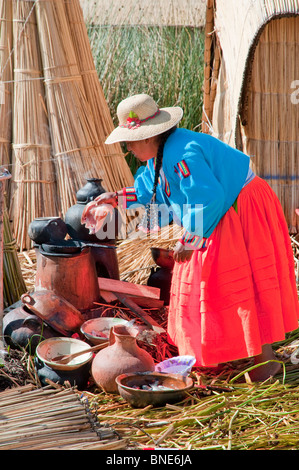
6,86
13,281
33,187
51,419
77,150
54,118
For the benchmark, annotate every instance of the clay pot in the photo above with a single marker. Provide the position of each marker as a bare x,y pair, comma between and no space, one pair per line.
76,377
46,229
123,355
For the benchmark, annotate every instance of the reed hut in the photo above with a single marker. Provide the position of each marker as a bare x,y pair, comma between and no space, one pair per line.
251,88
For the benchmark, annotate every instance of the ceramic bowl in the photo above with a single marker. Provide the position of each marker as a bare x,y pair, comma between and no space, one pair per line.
169,388
97,330
52,347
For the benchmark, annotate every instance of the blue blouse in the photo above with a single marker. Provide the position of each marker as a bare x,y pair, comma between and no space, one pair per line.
200,180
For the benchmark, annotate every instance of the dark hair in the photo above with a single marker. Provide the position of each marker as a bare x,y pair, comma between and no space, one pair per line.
150,217
162,140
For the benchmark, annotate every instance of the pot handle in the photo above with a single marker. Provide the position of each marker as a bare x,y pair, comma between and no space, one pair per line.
33,320
27,299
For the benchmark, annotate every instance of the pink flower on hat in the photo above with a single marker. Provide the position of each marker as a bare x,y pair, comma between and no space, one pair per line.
133,121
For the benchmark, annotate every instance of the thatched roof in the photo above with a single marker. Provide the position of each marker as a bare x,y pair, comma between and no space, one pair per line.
236,28
145,12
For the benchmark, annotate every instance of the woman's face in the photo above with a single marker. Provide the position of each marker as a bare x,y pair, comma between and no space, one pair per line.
144,149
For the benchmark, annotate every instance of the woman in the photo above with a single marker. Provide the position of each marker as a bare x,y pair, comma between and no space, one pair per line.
233,287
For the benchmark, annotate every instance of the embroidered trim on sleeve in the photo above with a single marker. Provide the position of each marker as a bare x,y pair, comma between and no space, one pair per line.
129,195
167,188
183,168
193,241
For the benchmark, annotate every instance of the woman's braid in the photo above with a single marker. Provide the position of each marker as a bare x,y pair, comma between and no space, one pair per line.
163,137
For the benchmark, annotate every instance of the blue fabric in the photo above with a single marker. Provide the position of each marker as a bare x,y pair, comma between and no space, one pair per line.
215,176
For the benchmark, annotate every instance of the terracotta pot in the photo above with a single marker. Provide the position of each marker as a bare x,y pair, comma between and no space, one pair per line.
123,355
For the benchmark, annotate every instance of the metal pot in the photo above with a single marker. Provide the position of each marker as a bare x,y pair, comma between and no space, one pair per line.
24,330
69,275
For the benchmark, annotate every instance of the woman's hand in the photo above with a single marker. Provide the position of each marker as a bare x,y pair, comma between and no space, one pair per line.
181,253
106,198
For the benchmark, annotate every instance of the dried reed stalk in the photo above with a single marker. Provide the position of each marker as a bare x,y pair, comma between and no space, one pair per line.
209,27
33,188
5,82
13,282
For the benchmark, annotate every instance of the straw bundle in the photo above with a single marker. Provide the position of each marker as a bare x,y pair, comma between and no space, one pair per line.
33,185
54,117
13,281
134,254
5,81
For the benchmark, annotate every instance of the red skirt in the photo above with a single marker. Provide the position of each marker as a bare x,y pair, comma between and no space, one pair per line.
240,292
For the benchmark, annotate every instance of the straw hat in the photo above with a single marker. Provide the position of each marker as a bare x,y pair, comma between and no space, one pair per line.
139,118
